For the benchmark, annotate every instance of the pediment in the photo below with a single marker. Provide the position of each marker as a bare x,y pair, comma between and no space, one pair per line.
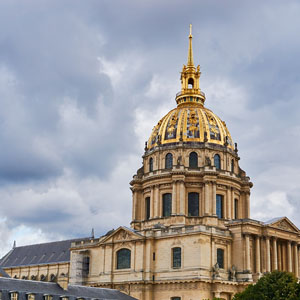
285,224
122,234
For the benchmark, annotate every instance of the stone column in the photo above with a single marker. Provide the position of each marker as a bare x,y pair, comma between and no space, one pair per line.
207,193
289,256
296,262
152,202
229,216
257,254
182,199
214,193
213,251
229,255
232,203
268,256
174,198
275,259
279,253
134,205
247,205
156,202
247,252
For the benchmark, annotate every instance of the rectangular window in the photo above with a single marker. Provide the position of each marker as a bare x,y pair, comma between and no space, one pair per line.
236,208
167,205
147,205
219,206
153,255
14,296
220,258
176,253
193,204
176,298
48,297
86,266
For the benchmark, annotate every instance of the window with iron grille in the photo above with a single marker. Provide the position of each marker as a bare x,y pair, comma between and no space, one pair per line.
217,161
147,207
220,258
176,255
193,204
167,205
169,161
193,160
219,206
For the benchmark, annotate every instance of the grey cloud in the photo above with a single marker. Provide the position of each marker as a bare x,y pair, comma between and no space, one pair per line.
67,118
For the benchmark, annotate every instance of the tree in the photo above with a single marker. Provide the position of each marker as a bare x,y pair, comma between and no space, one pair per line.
273,286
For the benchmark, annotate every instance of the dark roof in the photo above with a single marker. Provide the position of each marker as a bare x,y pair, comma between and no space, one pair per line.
46,253
41,288
273,220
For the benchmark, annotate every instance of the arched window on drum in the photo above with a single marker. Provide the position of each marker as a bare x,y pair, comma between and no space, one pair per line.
217,161
193,160
151,164
169,161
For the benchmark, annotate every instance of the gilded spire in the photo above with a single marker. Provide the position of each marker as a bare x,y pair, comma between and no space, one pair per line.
190,75
190,54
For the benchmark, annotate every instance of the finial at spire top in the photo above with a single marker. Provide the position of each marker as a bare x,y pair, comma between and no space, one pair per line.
190,54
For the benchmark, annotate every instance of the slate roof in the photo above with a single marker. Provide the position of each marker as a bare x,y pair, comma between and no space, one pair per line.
38,254
41,288
273,220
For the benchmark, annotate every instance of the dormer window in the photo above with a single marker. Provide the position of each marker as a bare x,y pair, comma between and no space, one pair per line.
30,296
14,296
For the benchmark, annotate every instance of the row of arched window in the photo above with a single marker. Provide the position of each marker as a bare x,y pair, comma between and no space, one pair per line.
124,258
52,277
193,162
193,206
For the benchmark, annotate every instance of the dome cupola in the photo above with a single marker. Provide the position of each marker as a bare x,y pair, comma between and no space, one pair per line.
190,121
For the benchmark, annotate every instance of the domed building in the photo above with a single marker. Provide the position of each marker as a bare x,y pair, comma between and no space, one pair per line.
191,234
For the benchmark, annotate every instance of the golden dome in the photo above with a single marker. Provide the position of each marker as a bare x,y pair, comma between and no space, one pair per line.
190,122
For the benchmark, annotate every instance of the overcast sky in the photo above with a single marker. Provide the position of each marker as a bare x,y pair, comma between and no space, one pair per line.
82,83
